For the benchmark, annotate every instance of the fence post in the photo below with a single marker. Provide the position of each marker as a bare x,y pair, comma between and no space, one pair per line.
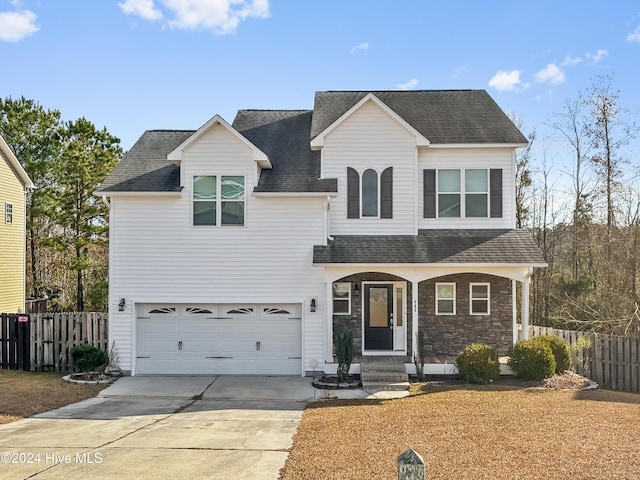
410,466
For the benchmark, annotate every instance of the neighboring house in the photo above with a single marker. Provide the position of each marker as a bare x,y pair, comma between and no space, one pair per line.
14,183
247,248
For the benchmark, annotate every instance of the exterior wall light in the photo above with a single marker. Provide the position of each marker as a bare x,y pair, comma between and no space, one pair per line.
312,307
121,305
356,289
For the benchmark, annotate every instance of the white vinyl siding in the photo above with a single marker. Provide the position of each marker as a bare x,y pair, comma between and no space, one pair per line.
472,159
371,139
156,255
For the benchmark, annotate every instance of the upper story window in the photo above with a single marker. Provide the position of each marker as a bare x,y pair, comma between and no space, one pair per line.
370,193
218,200
8,213
463,193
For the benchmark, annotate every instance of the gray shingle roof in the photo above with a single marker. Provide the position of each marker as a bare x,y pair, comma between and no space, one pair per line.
448,116
145,167
442,116
284,136
432,246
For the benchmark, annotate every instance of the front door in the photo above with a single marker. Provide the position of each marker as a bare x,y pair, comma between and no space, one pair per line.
378,317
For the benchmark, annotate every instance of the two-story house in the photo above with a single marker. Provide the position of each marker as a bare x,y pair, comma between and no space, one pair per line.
246,248
14,184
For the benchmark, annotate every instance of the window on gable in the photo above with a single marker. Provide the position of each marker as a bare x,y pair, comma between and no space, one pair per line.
479,298
204,200
445,298
232,200
463,193
8,213
369,193
209,208
342,298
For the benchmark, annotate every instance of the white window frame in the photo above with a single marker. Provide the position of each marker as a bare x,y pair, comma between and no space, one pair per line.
487,298
342,299
437,298
8,213
219,200
378,188
462,192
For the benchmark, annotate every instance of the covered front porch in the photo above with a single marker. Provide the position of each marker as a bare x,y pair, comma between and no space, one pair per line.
389,308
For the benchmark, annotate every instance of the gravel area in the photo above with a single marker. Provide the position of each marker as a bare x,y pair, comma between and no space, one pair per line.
472,432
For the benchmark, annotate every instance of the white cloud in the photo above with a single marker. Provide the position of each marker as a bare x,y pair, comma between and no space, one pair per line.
15,26
220,16
634,36
459,71
363,47
568,60
141,8
600,54
506,81
409,85
550,74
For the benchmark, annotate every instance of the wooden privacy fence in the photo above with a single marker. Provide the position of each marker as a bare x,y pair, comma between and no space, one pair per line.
614,360
46,339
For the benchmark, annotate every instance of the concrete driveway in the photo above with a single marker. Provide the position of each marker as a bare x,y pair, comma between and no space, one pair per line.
182,427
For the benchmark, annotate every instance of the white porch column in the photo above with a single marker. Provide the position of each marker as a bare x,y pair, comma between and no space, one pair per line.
525,307
414,318
328,301
514,303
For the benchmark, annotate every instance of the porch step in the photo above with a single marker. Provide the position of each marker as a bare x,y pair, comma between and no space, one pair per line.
383,373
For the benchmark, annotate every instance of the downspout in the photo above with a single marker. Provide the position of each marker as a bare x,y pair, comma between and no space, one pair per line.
327,218
106,202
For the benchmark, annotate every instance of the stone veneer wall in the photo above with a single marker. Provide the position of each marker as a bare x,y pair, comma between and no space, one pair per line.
353,322
449,334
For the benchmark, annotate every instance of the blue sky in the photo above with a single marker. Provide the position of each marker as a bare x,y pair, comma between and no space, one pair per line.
132,65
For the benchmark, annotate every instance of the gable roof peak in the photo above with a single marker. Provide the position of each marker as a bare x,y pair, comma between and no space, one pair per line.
258,155
318,141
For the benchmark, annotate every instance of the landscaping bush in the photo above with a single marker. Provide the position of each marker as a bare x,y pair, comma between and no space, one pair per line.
478,363
560,350
532,360
87,357
345,354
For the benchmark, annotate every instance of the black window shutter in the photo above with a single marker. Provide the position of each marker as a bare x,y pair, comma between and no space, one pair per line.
386,193
495,192
429,193
353,193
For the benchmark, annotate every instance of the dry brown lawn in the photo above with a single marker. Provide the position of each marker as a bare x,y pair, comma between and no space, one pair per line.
469,432
23,394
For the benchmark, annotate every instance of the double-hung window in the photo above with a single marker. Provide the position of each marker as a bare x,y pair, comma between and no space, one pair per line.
445,298
218,200
479,298
342,298
8,213
463,193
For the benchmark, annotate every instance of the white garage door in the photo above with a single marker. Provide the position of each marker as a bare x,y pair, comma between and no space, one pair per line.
219,339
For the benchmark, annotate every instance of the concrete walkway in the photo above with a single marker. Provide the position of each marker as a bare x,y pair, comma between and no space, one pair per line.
182,427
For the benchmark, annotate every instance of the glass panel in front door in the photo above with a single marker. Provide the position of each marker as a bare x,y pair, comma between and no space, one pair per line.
378,317
378,307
